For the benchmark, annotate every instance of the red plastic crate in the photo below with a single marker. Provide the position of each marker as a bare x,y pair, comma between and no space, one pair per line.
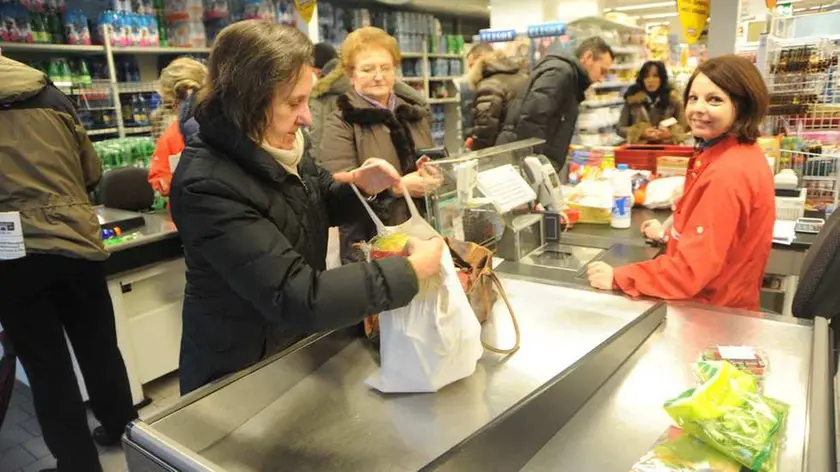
643,156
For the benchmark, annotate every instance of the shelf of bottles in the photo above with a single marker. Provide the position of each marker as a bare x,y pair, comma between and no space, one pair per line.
802,78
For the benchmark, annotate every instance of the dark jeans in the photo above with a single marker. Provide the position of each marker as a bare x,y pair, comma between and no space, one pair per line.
44,296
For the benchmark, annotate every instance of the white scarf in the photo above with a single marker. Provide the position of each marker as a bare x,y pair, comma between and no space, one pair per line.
289,159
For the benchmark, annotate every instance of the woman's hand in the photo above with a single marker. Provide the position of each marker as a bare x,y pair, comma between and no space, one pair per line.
424,256
665,133
601,275
653,230
375,176
418,183
650,133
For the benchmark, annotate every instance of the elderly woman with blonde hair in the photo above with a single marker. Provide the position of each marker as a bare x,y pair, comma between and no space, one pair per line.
378,117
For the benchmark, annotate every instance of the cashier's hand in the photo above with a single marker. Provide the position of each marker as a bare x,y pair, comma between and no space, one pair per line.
654,230
601,275
418,183
375,176
424,256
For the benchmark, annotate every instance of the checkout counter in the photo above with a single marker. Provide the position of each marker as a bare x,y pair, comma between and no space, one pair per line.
146,278
583,393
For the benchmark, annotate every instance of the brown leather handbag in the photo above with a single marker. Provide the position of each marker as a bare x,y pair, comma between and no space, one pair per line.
483,288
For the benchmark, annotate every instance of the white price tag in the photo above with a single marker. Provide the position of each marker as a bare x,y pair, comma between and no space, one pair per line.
11,236
736,353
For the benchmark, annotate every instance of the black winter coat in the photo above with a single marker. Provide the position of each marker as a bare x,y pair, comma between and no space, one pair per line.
255,243
548,107
496,81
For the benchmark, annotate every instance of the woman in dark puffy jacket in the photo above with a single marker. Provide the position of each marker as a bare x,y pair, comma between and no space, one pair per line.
496,81
253,209
653,112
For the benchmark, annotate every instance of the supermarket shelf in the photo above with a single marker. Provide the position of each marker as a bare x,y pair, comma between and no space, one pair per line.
445,56
99,132
412,79
589,128
438,101
51,48
411,55
443,78
138,129
624,67
160,50
628,49
609,85
138,87
602,103
820,178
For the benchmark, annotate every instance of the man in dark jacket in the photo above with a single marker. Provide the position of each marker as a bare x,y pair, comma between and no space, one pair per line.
467,91
496,81
52,280
548,106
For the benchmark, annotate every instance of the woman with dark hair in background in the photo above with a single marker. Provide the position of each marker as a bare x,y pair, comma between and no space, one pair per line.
722,233
653,111
253,208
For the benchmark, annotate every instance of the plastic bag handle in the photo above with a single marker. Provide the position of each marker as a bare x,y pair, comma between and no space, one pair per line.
380,226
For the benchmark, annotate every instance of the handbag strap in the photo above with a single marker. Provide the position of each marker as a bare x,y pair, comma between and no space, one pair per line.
513,319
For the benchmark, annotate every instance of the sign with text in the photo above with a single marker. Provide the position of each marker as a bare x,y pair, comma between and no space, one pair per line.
693,17
306,8
547,30
496,35
784,9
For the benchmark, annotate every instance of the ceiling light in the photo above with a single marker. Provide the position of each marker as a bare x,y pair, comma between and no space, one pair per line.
645,6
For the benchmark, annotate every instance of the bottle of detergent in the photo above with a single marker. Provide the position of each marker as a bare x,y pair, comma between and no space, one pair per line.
622,197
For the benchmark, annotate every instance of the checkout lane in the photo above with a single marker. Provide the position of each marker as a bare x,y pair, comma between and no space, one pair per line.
587,359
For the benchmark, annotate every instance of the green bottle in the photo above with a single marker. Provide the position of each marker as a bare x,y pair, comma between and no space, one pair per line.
84,74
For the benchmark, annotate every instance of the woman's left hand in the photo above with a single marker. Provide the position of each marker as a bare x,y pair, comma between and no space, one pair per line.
665,133
601,275
375,176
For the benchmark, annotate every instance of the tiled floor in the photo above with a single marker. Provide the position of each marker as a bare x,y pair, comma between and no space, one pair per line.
22,447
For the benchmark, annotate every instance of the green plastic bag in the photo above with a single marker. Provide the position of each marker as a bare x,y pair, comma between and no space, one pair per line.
727,413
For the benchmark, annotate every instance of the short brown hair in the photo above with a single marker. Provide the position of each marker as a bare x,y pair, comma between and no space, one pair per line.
739,78
249,61
364,38
596,45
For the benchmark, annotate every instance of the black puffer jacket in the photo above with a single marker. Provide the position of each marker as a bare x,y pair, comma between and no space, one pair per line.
548,108
255,242
496,81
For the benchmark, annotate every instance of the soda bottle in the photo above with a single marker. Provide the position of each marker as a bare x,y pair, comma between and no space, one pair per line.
84,74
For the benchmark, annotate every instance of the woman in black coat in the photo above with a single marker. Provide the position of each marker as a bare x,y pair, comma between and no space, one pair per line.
253,210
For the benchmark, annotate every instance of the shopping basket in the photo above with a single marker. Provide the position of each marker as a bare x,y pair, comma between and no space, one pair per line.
644,156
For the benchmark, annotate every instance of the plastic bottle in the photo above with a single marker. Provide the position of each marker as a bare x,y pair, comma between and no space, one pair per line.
622,195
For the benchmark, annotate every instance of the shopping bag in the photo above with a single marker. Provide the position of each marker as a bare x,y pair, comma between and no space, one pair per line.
436,339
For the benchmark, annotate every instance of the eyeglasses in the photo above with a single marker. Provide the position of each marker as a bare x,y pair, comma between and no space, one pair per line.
371,71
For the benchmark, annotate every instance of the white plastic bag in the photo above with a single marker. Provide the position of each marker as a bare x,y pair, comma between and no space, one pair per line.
436,339
663,193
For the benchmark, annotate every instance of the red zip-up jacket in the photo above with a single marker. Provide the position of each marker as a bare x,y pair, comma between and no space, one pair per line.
721,236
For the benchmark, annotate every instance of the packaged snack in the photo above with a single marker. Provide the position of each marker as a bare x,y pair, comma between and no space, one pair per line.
388,245
728,414
748,359
678,451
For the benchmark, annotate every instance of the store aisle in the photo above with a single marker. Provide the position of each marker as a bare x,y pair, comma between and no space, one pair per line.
22,447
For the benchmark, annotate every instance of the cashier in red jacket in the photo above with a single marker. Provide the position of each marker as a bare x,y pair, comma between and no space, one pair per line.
722,233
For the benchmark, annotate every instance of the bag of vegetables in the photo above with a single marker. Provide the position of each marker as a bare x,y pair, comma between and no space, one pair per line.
436,339
727,413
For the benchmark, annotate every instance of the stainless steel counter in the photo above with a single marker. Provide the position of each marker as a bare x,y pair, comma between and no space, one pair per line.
621,422
156,227
314,412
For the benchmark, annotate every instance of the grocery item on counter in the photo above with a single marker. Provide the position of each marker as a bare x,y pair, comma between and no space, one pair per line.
727,413
678,451
622,197
747,359
589,164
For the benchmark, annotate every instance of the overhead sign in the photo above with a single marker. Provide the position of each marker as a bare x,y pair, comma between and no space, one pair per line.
496,35
693,17
306,8
784,9
547,30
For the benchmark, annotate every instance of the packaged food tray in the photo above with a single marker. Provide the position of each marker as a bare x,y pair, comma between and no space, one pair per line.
644,156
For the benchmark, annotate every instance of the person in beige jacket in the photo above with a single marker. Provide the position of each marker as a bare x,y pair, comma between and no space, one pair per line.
58,285
379,117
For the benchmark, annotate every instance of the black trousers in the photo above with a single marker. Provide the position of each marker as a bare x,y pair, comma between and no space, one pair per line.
41,298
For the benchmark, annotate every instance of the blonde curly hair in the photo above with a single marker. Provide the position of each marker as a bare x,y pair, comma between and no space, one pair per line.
181,76
363,39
